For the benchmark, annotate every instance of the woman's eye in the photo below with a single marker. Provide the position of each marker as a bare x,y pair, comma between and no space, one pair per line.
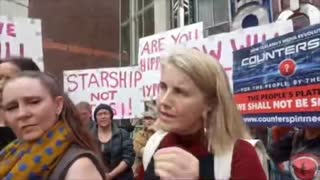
180,91
162,86
10,108
34,101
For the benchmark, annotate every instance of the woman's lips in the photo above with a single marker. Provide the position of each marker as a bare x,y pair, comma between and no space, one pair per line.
166,116
27,127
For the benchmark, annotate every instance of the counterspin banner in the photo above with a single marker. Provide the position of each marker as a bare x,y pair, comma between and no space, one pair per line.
278,82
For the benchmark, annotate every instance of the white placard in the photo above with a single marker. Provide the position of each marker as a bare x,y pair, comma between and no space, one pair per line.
151,48
21,37
119,87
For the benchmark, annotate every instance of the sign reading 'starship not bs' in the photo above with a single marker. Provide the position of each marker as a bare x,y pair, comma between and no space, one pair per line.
121,88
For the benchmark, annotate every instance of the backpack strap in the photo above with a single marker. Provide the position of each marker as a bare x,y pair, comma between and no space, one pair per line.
222,164
151,147
71,155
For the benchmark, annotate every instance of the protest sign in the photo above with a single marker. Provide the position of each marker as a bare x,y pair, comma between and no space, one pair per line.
221,46
152,47
119,87
21,37
278,82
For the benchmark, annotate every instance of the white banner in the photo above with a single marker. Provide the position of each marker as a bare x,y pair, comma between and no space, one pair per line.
222,46
151,49
119,87
21,37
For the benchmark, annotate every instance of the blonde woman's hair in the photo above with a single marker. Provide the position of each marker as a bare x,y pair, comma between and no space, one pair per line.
223,124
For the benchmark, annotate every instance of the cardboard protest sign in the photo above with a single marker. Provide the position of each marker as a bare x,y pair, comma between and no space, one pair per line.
119,87
278,82
21,37
152,47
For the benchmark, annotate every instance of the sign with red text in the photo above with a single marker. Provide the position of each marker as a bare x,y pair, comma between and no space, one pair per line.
221,46
21,37
119,87
278,82
151,49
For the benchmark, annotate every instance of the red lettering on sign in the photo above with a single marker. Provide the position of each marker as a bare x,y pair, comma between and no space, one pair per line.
103,96
184,37
215,53
151,90
73,85
113,76
7,49
250,41
82,76
8,29
11,31
93,81
104,79
154,46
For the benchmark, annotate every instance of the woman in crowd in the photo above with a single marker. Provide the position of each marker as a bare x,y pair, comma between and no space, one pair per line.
202,122
297,154
116,144
50,142
8,68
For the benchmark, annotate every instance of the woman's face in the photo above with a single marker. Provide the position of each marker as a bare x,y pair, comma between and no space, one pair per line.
103,118
7,71
181,104
29,109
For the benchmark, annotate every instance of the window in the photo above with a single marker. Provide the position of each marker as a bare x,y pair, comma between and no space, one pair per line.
215,16
213,13
188,10
137,21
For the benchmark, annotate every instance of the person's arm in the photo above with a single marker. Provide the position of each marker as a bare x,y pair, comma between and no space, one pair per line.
280,151
83,168
128,155
246,163
279,133
122,166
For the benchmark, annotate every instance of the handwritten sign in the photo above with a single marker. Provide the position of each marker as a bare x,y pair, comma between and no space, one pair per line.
21,37
119,87
151,49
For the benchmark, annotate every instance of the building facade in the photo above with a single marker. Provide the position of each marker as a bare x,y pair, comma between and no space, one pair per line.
14,8
140,18
79,34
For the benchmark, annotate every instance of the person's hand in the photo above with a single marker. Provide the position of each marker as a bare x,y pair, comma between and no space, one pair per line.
109,176
176,163
142,150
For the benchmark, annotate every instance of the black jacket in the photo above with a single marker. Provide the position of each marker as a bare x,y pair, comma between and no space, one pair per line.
121,149
6,136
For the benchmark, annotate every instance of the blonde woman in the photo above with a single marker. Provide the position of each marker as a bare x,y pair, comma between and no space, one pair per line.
202,122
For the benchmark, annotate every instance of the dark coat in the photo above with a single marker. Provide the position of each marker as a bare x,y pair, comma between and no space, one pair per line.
121,150
6,136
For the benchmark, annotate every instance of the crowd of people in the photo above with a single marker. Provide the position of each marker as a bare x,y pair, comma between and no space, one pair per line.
195,132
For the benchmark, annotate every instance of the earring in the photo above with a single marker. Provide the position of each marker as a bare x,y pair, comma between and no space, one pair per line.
204,119
205,130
